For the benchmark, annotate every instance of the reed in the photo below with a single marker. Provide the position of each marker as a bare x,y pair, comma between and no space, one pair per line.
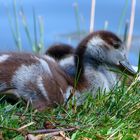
92,15
139,63
123,14
25,25
77,18
131,26
41,34
14,26
37,46
125,32
38,43
106,25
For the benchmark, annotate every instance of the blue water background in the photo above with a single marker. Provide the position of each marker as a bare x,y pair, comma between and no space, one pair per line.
60,22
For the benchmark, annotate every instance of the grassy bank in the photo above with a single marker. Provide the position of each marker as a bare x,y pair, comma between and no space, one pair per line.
115,115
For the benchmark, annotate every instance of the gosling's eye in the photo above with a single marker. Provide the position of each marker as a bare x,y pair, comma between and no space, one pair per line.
116,45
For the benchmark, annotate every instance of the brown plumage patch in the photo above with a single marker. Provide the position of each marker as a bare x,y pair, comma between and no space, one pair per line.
56,85
9,66
110,38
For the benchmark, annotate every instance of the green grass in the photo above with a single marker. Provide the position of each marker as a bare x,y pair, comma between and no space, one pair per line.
115,115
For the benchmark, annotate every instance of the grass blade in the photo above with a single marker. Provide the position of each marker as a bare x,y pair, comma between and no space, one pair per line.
25,25
41,32
35,48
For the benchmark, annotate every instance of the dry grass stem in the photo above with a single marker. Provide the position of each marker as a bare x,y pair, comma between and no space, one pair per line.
92,16
132,18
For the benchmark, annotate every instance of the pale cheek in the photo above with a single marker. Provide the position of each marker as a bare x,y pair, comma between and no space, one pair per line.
114,57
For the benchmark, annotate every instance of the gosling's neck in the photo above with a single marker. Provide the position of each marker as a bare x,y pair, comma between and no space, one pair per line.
100,77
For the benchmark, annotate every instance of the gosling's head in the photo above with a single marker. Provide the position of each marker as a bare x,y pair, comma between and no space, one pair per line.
60,51
103,48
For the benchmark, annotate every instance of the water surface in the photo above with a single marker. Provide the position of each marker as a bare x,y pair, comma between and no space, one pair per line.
60,21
